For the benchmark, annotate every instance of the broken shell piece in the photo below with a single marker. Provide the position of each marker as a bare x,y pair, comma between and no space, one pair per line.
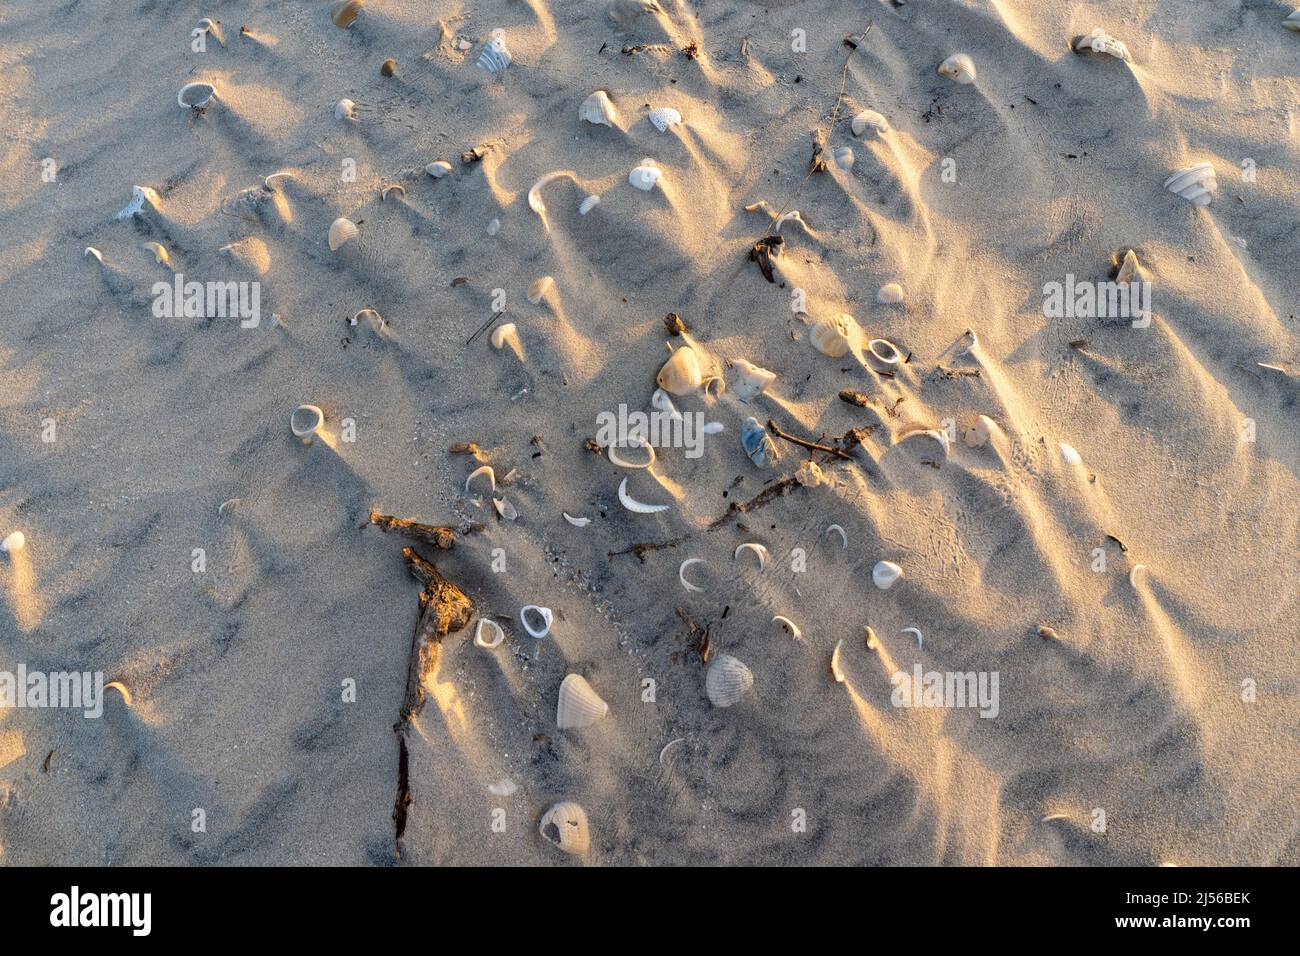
1196,184
438,168
645,176
576,522
713,428
841,532
305,419
487,472
213,29
498,634
611,452
588,204
681,573
565,826
196,95
752,380
661,402
579,704
1292,22
938,435
118,686
791,628
837,670
634,506
1069,455
843,156
388,68
341,231
344,13
507,334
1047,633
92,251
140,195
393,188
505,509
834,336
493,227
978,434
1099,41
495,57
680,375
758,550
1137,575
920,639
535,202
884,352
14,542
958,67
1129,269
809,474
546,615
869,122
345,109
885,573
891,293
760,448
160,254
727,681
538,289
872,641
599,110
664,117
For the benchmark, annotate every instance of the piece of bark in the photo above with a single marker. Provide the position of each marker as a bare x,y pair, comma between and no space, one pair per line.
443,539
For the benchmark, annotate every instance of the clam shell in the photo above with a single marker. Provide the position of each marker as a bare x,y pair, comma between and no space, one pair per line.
598,109
565,826
1196,184
758,445
834,336
438,168
727,681
196,95
344,13
645,176
579,705
752,379
495,57
681,374
537,291
341,231
959,67
869,122
843,156
885,573
664,117
891,293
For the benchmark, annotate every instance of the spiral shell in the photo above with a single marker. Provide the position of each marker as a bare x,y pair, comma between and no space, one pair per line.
579,704
727,681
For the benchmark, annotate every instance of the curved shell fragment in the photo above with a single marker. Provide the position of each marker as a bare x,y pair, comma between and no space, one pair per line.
505,509
576,522
537,291
869,122
913,630
546,615
535,193
305,419
438,168
758,549
959,67
1099,41
564,825
837,669
791,627
498,634
160,254
844,538
495,57
681,574
634,506
612,454
140,195
665,117
487,472
196,95
92,251
885,574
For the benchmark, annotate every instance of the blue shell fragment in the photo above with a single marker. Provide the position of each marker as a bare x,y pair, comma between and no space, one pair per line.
758,445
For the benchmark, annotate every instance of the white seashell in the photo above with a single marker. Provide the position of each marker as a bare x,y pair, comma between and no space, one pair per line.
634,506
544,613
810,474
345,109
752,381
681,573
14,542
438,168
727,681
1099,41
645,176
1129,269
503,788
535,193
1069,455
884,352
872,641
498,633
92,251
579,705
958,67
977,436
487,472
213,29
160,254
841,532
912,630
680,375
843,156
758,549
493,226
834,336
661,402
537,291
713,428
664,117
885,573
837,671
588,204
341,231
1292,22
196,95
612,454
715,382
598,109
576,522
505,509
1136,575
495,57
791,627
305,419
507,334
869,122
139,196
891,293
565,825
938,435
1196,184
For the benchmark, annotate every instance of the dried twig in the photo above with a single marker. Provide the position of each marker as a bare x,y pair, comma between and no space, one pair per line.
765,496
442,538
640,549
810,445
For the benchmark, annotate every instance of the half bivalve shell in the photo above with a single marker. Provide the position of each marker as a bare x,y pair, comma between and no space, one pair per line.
727,681
579,704
834,336
681,374
565,826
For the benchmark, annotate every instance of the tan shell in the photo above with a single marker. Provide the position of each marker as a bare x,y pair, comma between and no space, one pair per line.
599,109
579,704
834,336
342,230
978,434
681,374
537,291
727,681
959,67
344,13
565,825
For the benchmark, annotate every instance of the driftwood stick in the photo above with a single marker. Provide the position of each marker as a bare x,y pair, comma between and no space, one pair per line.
810,445
763,497
442,538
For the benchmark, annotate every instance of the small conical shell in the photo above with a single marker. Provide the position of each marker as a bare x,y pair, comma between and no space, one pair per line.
869,122
834,336
598,109
579,704
681,374
565,825
342,230
885,573
959,67
727,681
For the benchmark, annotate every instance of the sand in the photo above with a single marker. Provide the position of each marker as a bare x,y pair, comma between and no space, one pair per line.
170,434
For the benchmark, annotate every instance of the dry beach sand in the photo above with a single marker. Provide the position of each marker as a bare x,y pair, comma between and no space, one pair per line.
171,434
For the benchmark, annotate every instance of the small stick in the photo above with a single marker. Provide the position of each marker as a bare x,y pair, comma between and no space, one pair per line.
441,538
640,549
760,499
810,445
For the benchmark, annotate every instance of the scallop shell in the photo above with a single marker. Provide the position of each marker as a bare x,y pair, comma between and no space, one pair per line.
196,95
1195,184
834,336
599,109
14,542
664,117
869,122
891,293
341,231
959,67
537,291
345,109
681,374
843,156
344,13
752,380
884,352
758,445
645,176
885,573
438,168
1099,41
579,704
565,826
495,57
727,681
